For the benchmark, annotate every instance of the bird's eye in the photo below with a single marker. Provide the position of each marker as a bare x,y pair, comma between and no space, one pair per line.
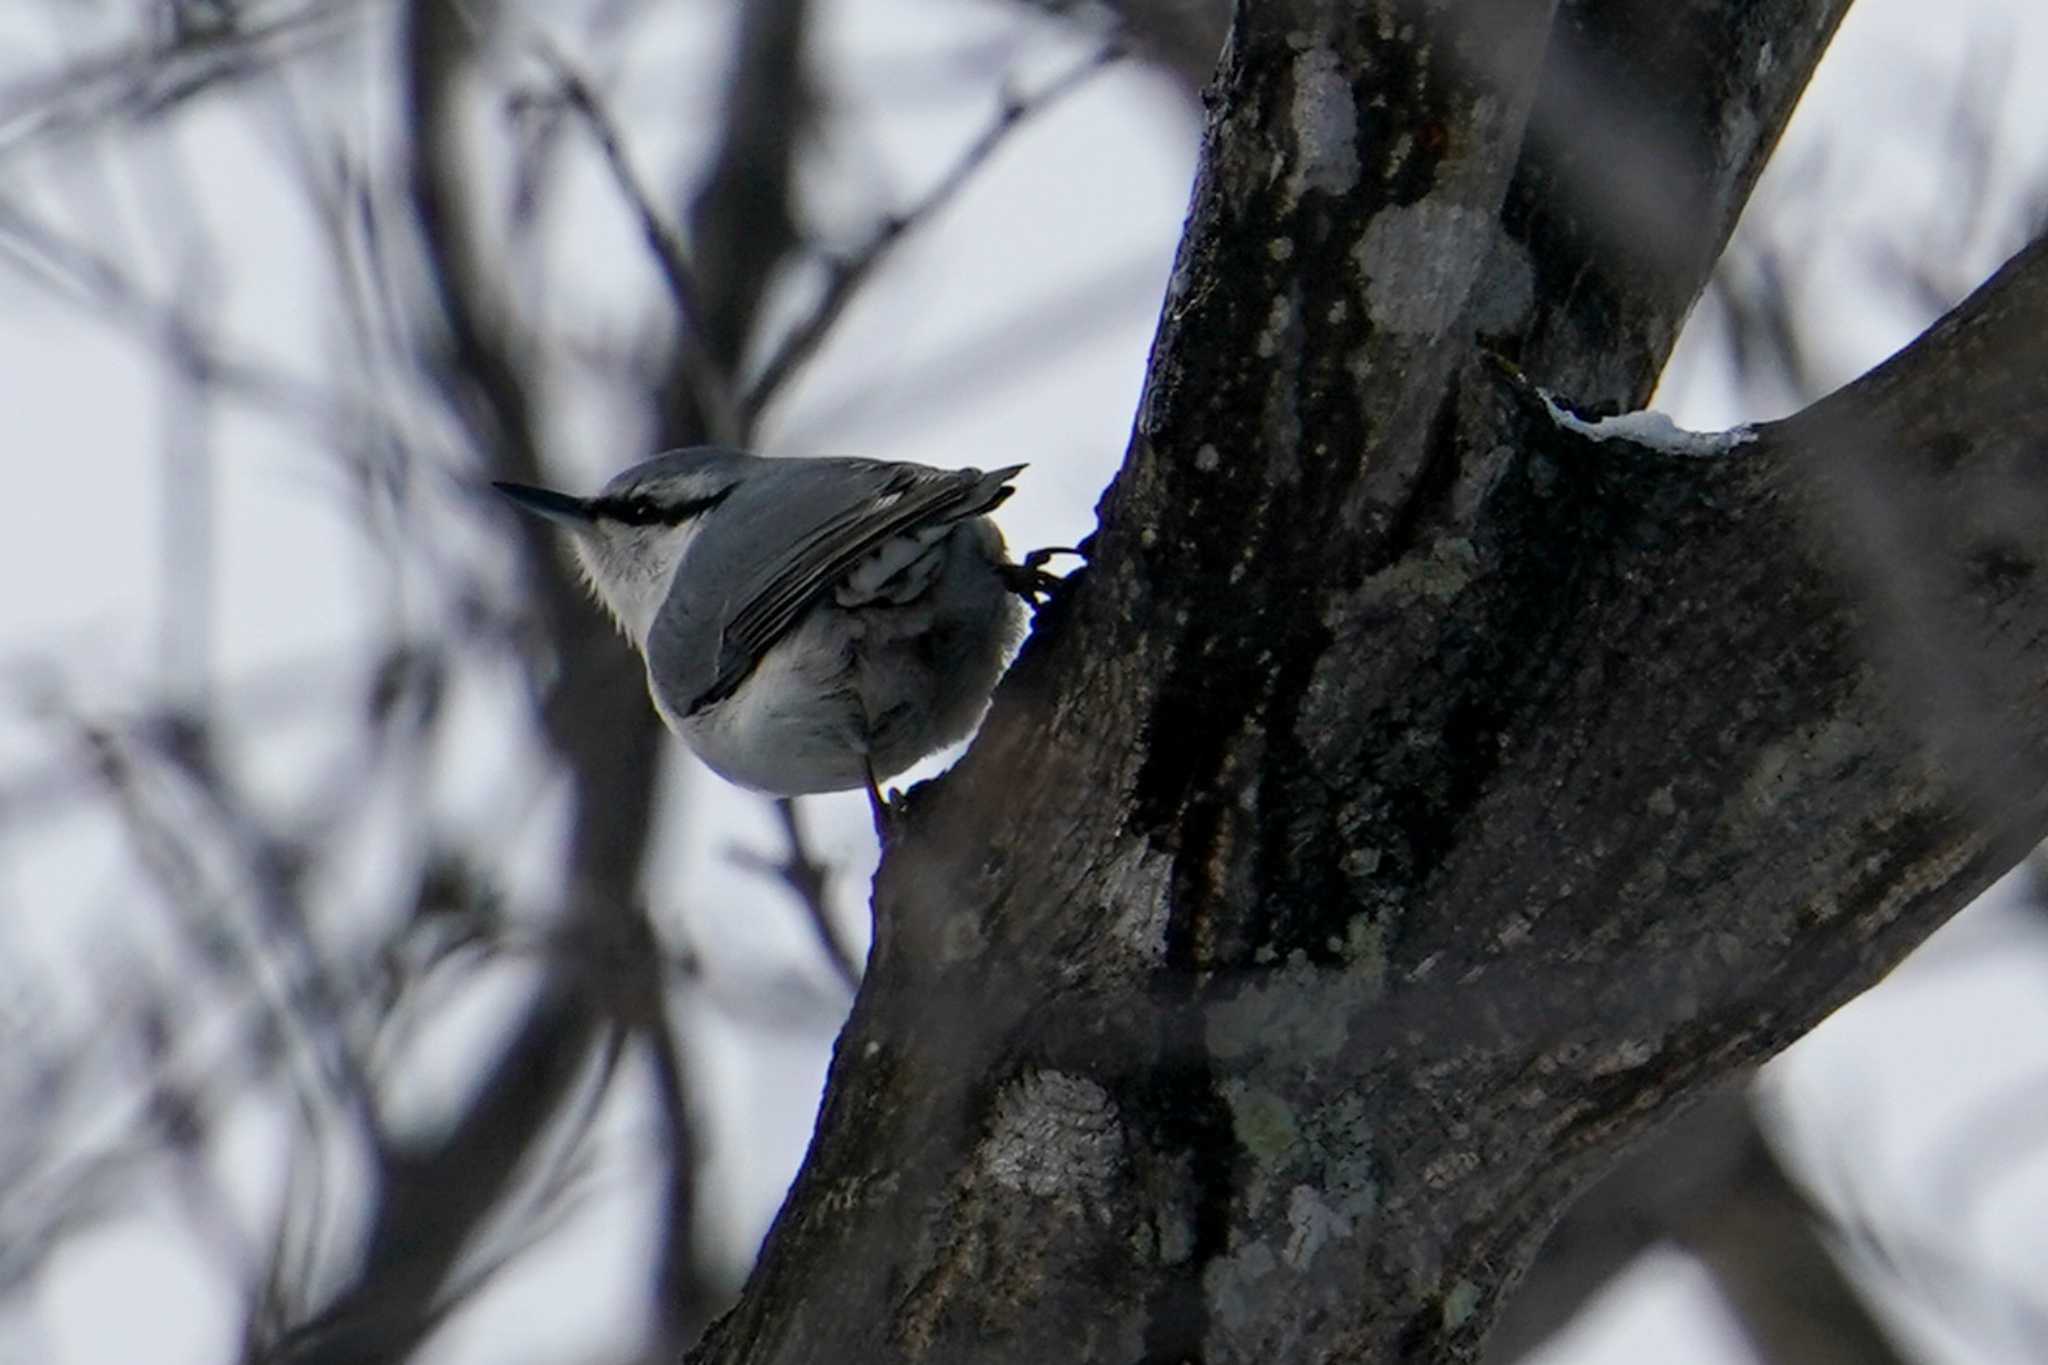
638,511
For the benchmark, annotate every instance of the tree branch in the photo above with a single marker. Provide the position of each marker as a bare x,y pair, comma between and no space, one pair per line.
743,217
1643,146
435,1192
848,275
806,878
710,381
1391,823
1711,1182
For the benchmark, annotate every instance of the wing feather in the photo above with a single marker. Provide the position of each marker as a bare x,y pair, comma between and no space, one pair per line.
909,498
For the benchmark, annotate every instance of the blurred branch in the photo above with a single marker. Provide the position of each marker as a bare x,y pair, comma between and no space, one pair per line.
143,80
1640,152
1915,265
1758,1234
431,1199
434,1195
275,868
1710,1182
103,289
850,272
308,1011
743,217
1182,38
808,880
709,379
686,1298
97,1111
1971,1293
482,372
1004,351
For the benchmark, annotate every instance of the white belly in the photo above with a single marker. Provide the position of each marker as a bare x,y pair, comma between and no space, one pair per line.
794,726
871,679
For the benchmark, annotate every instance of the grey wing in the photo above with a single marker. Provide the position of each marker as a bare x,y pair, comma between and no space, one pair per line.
907,498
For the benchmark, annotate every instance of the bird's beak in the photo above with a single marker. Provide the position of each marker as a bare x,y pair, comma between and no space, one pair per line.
560,508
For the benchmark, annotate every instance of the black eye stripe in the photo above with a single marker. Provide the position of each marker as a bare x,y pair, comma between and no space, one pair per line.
636,509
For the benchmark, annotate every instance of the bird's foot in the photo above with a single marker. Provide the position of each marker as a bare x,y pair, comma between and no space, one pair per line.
880,807
1030,581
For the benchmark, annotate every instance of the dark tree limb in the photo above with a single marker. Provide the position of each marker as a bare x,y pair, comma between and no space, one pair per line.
743,223
1415,799
1759,1237
1180,38
1650,130
1713,1184
1679,823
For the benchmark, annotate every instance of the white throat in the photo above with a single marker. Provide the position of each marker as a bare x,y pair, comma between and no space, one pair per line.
630,568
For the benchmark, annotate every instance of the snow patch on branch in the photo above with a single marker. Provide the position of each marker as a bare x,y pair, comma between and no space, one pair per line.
1651,430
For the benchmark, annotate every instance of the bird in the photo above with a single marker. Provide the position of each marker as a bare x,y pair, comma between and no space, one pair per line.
807,624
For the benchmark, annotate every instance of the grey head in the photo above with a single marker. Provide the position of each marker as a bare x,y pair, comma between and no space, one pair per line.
632,534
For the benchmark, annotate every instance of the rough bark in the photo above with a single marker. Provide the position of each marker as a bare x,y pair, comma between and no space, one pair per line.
1415,800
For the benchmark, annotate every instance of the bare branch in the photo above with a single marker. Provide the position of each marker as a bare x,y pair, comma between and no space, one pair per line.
142,80
700,368
848,274
1759,1236
100,285
1180,37
434,1195
808,880
1642,147
743,214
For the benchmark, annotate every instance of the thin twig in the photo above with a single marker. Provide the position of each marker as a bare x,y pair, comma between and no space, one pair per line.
144,79
850,272
807,878
712,385
95,283
686,1299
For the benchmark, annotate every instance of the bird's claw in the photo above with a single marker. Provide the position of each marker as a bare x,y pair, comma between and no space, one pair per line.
1030,581
880,807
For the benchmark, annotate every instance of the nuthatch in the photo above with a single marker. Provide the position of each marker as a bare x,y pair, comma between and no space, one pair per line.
808,625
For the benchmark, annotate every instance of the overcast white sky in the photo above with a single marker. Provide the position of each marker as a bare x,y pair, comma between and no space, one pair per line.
1094,193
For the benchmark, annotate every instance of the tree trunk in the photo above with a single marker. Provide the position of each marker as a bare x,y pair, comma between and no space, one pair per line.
1416,798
